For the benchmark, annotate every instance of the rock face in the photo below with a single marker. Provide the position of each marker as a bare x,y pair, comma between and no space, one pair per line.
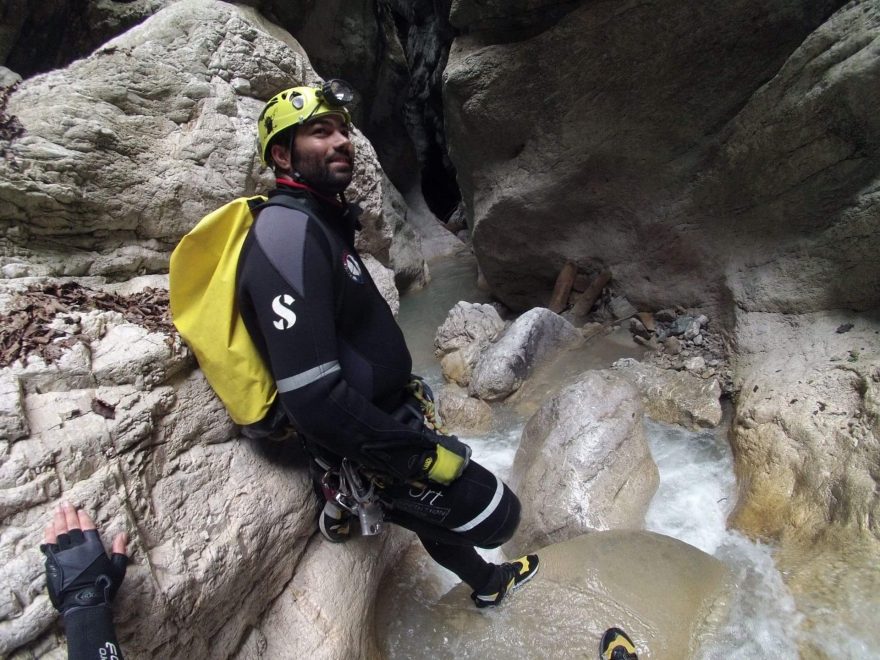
583,464
806,441
806,435
667,169
327,622
468,329
384,280
658,589
128,148
35,38
674,397
533,338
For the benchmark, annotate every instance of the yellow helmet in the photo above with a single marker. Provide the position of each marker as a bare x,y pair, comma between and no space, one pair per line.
297,105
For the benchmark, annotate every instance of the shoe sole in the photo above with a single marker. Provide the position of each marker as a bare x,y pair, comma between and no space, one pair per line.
517,585
609,639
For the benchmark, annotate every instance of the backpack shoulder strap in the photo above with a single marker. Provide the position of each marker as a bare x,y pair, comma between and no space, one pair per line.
274,235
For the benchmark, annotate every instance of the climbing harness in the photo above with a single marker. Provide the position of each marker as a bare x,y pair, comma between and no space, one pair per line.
345,486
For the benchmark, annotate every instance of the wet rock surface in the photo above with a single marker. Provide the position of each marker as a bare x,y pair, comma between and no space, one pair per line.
660,590
463,414
583,464
674,397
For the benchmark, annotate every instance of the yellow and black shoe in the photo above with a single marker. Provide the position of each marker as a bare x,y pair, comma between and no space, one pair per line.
616,645
507,578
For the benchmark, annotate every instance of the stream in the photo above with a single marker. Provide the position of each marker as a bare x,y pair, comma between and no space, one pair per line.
697,487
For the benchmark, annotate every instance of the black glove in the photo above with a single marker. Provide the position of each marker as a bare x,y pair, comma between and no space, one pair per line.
446,463
78,571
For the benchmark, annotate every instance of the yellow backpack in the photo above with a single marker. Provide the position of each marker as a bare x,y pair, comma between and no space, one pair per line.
201,286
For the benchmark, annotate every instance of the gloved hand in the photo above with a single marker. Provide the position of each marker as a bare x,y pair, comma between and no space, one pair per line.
78,571
446,463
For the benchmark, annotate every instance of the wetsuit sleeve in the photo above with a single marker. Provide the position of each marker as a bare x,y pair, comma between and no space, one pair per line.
286,290
91,635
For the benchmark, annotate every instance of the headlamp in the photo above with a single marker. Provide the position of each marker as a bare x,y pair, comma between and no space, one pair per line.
336,93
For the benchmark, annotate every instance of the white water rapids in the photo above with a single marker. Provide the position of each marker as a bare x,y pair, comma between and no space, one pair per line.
697,487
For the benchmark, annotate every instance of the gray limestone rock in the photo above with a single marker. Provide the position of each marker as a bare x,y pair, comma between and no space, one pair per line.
463,414
805,434
533,338
13,423
129,147
384,280
671,171
468,329
805,440
674,397
327,622
583,464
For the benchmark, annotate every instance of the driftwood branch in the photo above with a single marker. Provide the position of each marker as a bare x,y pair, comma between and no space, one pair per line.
564,282
587,299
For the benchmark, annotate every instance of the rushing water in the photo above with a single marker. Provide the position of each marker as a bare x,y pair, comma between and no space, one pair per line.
697,487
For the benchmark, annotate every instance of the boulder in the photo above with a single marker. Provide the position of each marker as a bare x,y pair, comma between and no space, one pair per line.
463,414
695,185
468,329
660,590
327,622
129,147
533,338
674,397
583,463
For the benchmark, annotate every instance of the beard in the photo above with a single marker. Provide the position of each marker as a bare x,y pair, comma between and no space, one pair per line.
323,174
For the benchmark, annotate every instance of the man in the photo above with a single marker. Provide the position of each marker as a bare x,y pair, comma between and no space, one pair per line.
339,359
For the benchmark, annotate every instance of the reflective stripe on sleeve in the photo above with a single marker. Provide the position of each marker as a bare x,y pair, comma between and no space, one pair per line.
307,377
485,513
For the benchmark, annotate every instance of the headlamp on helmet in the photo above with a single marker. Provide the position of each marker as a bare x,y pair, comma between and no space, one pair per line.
297,105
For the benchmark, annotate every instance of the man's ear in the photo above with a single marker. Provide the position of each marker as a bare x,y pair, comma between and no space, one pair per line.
281,155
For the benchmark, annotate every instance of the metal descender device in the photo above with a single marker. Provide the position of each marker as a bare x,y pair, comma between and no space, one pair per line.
353,496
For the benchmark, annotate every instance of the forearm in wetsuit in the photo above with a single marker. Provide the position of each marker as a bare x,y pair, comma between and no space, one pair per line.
82,581
91,634
327,381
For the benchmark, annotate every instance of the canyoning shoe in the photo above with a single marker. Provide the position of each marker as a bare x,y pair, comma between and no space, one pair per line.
333,523
616,645
507,578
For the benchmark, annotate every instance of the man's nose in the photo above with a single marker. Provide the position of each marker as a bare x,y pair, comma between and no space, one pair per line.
341,141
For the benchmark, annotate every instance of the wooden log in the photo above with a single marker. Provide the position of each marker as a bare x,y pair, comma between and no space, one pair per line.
585,301
564,282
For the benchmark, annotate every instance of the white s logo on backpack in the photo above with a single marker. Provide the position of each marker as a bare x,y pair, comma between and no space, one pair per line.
281,306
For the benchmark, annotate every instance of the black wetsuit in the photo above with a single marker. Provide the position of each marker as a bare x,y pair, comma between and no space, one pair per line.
342,366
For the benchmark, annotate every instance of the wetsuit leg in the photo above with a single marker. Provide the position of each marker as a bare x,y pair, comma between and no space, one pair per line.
462,560
477,509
